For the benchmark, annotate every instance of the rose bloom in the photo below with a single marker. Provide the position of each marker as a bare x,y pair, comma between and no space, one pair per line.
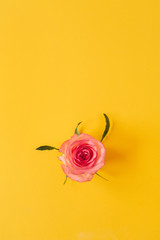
82,156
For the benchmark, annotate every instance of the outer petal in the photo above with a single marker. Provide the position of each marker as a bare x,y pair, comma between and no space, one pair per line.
94,169
80,178
64,146
62,158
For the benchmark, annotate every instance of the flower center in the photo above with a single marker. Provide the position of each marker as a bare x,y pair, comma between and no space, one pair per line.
83,155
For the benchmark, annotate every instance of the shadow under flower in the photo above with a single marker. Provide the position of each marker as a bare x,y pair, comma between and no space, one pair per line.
121,147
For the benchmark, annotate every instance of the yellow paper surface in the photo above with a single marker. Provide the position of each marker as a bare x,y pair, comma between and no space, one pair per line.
68,61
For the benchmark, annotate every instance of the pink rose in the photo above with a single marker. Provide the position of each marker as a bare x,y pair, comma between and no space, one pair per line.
82,156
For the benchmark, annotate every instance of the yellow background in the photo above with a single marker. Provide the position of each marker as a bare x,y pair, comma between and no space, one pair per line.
62,62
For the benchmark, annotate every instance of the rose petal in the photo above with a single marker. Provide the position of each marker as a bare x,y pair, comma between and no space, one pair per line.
79,178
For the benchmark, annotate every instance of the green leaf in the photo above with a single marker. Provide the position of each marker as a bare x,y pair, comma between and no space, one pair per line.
45,147
101,177
107,127
76,130
65,180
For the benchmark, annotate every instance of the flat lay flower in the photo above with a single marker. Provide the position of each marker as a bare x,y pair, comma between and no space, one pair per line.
82,155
